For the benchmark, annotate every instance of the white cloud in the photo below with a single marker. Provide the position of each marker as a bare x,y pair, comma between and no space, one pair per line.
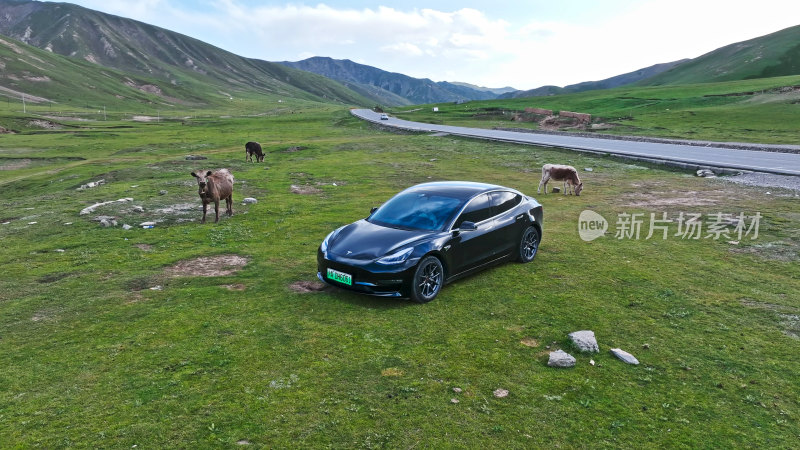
468,44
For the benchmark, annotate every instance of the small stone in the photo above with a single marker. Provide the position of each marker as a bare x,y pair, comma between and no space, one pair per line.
624,356
500,393
126,226
243,442
249,201
162,192
733,242
147,224
157,288
454,400
706,173
585,341
556,190
32,223
457,390
105,222
59,250
646,346
195,158
560,358
588,169
138,209
591,361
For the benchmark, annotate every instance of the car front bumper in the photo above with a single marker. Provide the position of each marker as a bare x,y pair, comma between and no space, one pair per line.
368,277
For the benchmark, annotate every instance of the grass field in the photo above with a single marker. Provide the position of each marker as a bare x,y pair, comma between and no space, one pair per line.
105,341
762,111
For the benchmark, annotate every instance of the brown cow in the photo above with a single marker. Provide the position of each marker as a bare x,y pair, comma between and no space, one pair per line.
559,172
214,186
253,148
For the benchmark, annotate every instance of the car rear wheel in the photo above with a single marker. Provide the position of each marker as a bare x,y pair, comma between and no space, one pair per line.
528,245
428,280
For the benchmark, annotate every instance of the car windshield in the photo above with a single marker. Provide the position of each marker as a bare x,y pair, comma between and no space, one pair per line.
417,211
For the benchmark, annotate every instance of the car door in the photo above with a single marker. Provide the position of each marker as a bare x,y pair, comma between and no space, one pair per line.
507,228
472,248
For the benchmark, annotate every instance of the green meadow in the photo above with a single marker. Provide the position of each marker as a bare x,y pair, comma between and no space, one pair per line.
137,338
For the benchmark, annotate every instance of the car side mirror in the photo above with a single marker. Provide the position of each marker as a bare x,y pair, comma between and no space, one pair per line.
372,210
467,226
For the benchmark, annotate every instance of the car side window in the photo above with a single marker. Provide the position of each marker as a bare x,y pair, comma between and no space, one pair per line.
479,209
502,201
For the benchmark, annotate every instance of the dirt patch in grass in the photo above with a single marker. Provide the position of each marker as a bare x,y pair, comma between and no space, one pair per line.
672,198
786,251
235,287
293,149
304,189
53,277
305,287
529,342
46,124
14,164
788,316
207,266
144,247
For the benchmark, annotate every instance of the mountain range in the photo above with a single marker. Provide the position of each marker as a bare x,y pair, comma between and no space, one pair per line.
156,56
71,51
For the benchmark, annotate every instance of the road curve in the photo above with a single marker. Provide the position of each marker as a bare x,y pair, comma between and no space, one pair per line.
759,161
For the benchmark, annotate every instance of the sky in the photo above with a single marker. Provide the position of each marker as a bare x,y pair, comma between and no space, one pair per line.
491,43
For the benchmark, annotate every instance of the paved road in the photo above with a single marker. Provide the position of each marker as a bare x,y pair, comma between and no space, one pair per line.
760,161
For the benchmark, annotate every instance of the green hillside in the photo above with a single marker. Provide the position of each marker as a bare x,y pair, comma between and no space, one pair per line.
175,60
773,55
761,110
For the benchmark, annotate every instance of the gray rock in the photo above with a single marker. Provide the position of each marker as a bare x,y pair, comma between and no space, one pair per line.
162,192
249,201
706,173
106,223
624,356
556,190
560,358
195,157
500,393
588,169
126,227
585,341
138,209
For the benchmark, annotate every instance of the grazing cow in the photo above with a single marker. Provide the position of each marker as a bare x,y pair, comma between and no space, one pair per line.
253,148
213,187
559,172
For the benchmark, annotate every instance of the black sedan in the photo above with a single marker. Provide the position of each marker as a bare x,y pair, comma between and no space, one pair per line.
428,235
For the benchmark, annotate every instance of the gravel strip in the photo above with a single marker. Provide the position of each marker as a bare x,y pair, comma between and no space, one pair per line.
733,145
767,180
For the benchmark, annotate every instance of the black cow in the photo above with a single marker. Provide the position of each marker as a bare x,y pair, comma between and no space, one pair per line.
253,148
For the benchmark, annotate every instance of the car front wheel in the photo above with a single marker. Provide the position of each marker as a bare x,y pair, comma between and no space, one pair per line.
428,280
528,245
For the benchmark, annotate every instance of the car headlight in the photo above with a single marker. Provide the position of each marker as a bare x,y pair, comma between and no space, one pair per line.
397,257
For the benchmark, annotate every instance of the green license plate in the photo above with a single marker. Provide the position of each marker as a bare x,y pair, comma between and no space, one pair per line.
341,277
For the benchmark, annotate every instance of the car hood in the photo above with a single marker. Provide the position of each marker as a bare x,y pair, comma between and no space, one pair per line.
365,240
